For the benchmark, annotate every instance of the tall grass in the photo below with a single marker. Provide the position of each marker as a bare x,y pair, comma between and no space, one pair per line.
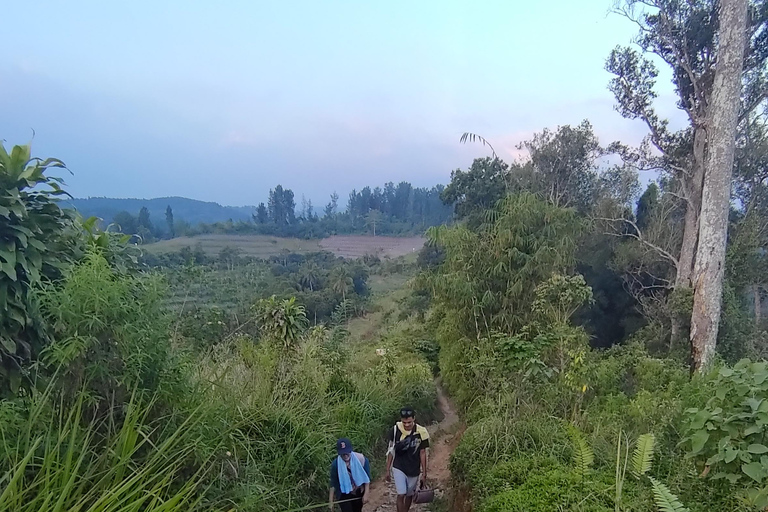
136,420
53,461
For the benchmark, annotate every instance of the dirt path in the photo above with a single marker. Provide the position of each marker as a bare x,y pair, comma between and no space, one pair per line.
444,436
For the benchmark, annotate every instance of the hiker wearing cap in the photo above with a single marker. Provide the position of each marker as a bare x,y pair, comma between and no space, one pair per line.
407,457
350,476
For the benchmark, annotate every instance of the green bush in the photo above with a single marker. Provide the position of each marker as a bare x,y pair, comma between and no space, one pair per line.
503,438
730,433
557,489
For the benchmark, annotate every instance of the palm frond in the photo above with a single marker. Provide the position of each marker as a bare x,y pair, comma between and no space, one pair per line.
473,137
665,500
642,459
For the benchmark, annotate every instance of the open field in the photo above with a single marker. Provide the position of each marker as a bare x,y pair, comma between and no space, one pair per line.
383,246
263,246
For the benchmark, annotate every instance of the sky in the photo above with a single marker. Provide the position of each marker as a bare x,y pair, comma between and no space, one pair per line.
221,101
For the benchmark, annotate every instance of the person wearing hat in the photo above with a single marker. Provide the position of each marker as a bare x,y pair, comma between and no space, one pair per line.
350,478
407,457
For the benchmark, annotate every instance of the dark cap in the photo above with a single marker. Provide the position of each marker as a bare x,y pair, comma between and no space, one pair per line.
343,446
407,412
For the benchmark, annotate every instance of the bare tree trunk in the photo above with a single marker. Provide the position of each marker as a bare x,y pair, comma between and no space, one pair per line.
693,189
758,304
713,222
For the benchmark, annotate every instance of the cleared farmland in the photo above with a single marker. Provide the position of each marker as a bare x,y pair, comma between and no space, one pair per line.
262,246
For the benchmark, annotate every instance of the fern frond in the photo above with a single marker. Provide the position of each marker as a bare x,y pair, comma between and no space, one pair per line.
583,456
665,500
642,459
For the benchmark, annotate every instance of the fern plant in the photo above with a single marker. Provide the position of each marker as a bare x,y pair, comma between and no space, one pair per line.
665,500
642,458
583,456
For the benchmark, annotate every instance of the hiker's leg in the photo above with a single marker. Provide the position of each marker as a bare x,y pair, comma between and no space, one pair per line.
412,483
357,505
401,503
401,487
345,505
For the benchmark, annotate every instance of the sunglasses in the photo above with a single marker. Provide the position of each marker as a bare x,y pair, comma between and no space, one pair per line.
406,413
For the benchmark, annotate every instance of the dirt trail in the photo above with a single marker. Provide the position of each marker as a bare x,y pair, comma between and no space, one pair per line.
444,436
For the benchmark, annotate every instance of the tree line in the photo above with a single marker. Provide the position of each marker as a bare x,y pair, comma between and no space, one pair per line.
392,210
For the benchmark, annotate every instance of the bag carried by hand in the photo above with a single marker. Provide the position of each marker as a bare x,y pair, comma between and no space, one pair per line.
424,495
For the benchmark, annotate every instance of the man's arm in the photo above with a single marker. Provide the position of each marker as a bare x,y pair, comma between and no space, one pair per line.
334,482
389,466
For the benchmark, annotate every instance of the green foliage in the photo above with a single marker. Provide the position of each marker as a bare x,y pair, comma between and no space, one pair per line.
665,500
124,462
473,191
110,333
281,320
488,273
558,298
583,456
558,489
729,433
36,240
642,458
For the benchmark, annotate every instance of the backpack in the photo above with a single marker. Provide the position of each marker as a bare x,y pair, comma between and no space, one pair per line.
409,443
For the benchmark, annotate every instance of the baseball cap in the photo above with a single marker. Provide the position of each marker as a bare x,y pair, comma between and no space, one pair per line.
343,446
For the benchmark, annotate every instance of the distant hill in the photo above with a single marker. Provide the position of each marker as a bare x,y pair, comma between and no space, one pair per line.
190,210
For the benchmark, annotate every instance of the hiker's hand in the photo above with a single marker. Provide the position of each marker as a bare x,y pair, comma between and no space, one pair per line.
389,476
423,479
365,498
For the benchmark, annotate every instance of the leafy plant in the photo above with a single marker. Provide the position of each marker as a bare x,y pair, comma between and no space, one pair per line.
583,456
281,320
642,458
730,433
35,243
665,500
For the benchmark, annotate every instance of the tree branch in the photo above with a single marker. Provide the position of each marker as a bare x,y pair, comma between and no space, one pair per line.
637,235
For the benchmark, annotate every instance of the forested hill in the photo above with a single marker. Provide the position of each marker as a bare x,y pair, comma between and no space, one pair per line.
191,210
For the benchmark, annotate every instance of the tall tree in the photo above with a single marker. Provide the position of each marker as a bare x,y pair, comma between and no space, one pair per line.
169,221
476,190
564,164
341,281
715,203
373,218
683,35
144,220
331,208
281,206
126,222
262,217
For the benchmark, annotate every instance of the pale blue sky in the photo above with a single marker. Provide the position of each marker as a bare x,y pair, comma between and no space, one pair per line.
223,100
